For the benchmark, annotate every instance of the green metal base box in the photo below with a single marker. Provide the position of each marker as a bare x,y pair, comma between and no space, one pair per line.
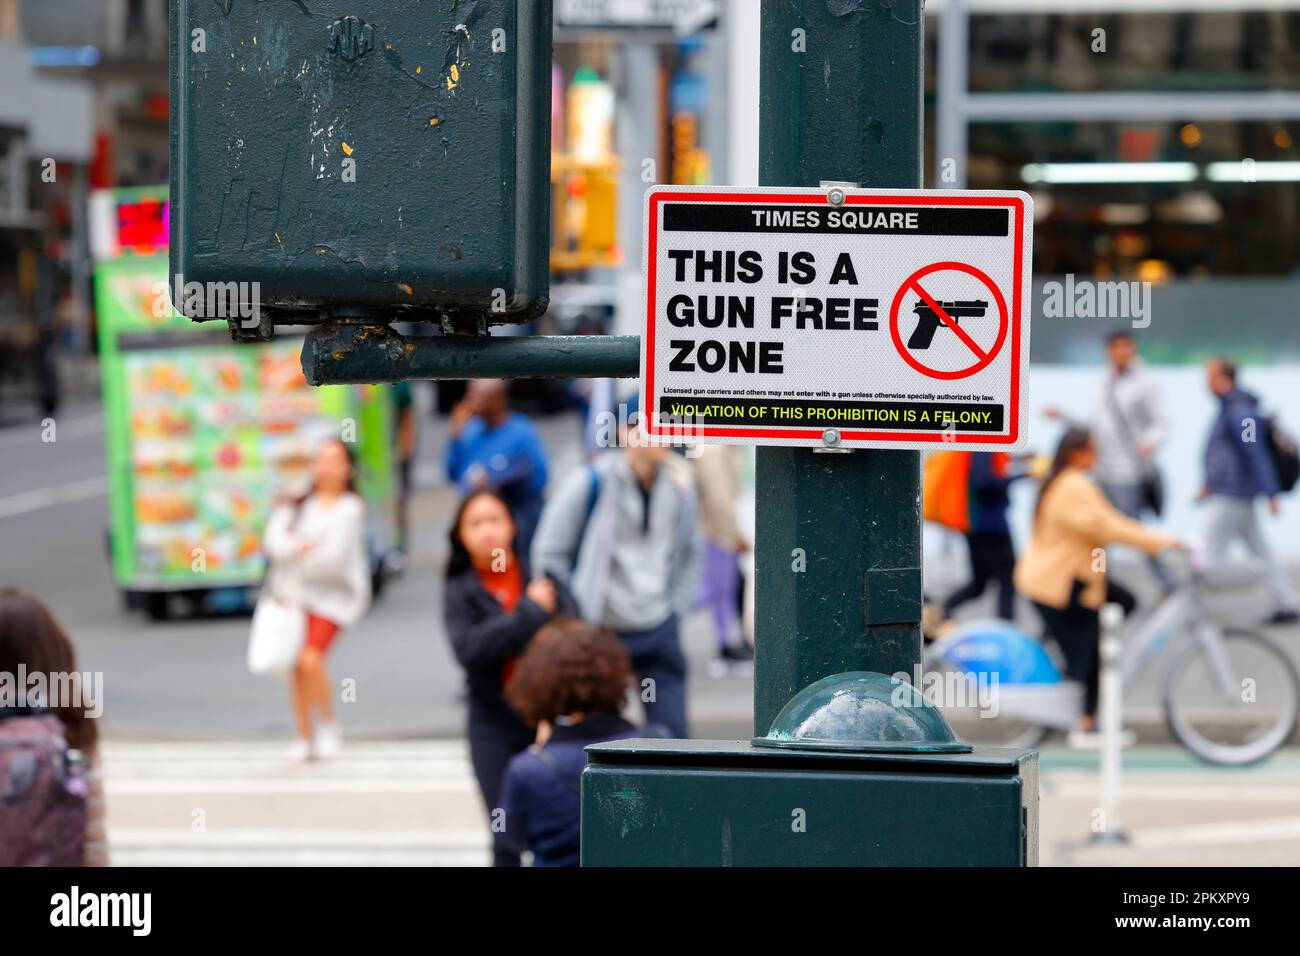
729,803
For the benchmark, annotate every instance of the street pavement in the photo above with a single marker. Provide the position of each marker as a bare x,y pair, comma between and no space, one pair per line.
1174,811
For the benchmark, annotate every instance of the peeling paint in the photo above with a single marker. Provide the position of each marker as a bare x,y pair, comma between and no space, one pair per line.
842,8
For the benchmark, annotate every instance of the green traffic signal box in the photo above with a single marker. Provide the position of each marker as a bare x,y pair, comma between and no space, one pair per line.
364,159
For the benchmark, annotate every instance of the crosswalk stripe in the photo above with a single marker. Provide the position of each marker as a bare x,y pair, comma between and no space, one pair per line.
229,748
1200,834
1149,790
339,772
260,767
252,837
305,856
138,788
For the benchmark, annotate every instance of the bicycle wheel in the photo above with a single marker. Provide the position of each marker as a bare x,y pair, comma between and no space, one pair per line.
1241,727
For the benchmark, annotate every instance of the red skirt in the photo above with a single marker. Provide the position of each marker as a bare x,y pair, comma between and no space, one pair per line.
321,632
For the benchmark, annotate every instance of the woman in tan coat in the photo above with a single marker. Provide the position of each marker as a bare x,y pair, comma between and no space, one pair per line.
1063,571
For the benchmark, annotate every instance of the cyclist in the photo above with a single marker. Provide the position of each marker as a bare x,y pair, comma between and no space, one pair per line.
1063,570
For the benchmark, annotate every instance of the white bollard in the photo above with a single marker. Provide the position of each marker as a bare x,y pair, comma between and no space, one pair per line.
1110,714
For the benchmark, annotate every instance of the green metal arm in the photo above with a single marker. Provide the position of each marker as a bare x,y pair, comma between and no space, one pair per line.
347,354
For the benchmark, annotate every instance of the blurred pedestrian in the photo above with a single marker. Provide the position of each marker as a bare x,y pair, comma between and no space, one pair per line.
988,535
493,609
1128,427
1239,469
493,447
571,684
718,474
316,548
404,453
1063,570
746,503
51,785
623,534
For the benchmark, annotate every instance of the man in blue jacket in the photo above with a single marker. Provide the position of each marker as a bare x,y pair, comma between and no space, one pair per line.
493,447
1239,469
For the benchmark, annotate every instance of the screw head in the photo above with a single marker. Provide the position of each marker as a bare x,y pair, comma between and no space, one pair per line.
831,437
835,197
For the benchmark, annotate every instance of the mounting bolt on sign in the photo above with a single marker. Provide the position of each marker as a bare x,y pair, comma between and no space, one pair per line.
887,318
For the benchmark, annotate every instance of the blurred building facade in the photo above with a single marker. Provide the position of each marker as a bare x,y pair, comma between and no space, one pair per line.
1158,138
1137,125
85,107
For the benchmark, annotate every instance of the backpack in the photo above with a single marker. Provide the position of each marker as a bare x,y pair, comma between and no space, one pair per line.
945,489
42,794
1286,456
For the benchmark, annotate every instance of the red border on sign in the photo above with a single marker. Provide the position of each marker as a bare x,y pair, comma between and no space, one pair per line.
986,357
815,434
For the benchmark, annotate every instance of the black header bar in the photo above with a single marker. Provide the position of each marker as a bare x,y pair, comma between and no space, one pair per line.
851,220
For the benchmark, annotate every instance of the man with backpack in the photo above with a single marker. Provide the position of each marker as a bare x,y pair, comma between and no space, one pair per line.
1242,458
623,535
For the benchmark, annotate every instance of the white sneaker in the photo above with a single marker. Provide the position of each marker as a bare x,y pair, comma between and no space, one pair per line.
300,751
329,741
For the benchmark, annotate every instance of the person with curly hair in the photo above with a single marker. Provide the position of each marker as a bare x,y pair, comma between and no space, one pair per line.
570,683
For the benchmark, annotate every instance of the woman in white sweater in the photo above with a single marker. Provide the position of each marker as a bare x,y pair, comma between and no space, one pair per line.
317,552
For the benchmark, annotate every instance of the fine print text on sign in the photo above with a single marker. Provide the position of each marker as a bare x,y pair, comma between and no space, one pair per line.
855,317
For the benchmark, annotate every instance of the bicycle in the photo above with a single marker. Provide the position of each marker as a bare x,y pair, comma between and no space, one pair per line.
1231,695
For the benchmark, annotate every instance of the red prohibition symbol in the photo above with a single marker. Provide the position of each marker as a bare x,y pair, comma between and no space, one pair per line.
982,357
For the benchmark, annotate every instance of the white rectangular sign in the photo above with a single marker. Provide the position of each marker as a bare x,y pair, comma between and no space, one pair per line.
888,318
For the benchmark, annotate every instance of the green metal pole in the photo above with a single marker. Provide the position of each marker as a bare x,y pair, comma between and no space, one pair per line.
839,535
349,354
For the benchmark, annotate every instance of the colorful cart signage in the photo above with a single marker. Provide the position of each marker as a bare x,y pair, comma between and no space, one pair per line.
204,434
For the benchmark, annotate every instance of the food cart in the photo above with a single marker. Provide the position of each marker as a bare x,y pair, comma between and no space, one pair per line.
203,435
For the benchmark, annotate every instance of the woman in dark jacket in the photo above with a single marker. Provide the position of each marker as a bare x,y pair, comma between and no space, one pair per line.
492,611
571,683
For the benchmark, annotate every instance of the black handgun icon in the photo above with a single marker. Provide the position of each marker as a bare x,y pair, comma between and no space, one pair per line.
923,335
